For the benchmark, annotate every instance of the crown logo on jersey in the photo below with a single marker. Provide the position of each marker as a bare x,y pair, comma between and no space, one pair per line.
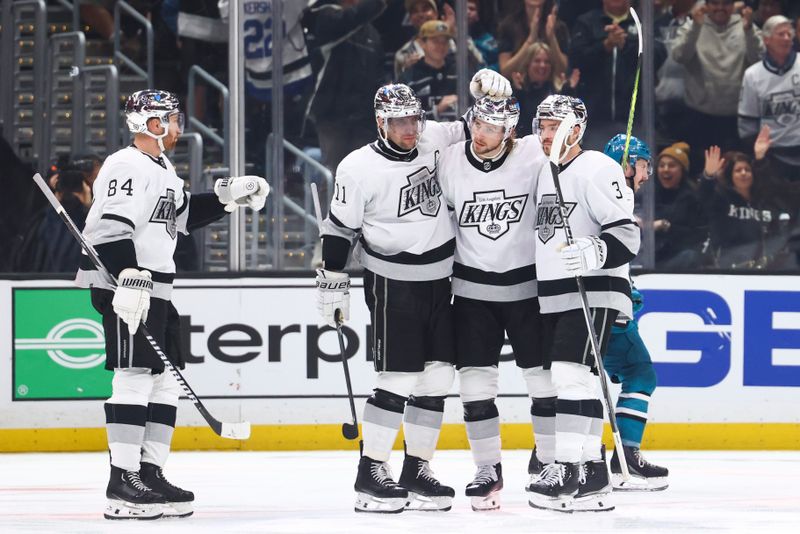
165,213
422,193
492,212
548,217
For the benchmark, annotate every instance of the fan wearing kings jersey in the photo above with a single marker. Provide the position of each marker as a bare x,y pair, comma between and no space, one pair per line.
599,206
387,200
139,208
490,185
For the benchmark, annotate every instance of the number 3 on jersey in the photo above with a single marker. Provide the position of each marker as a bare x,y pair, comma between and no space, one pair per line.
127,186
616,186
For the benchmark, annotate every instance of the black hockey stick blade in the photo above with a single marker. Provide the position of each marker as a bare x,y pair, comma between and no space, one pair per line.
225,430
349,431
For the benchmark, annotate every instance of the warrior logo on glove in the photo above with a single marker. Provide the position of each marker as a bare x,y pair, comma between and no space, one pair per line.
548,217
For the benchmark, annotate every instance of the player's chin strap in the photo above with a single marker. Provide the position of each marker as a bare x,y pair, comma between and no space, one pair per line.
560,139
159,138
385,139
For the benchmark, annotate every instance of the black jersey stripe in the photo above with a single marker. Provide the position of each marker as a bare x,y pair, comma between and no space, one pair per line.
162,278
621,222
442,252
508,278
118,218
565,286
335,220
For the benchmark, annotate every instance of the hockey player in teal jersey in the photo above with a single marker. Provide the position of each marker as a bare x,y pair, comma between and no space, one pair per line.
627,360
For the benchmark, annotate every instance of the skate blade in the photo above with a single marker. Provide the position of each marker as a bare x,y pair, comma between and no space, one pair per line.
116,509
424,503
486,503
377,505
639,483
599,502
177,510
558,504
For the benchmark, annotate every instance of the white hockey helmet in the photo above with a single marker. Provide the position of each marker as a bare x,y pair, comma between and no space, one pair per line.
557,107
500,112
397,100
142,106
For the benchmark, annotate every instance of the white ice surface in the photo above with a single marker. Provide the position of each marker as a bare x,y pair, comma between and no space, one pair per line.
298,492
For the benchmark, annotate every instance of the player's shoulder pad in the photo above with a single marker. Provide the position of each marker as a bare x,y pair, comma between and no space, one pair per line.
358,163
602,165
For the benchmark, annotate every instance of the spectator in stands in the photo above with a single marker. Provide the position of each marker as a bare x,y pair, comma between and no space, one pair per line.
570,10
483,39
605,46
740,217
433,78
87,164
419,12
531,21
60,252
539,81
766,9
678,223
349,75
768,97
670,103
716,47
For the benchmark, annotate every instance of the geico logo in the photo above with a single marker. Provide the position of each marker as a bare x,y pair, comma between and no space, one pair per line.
763,330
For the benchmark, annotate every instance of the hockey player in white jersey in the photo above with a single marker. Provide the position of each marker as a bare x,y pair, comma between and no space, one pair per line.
490,184
139,208
388,200
600,211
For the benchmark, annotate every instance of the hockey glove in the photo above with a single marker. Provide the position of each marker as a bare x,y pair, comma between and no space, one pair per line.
240,191
586,254
491,83
132,297
333,295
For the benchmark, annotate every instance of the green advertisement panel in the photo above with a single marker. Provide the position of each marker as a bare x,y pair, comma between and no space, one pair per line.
59,350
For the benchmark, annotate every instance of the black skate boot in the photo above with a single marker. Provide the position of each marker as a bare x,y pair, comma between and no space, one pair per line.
484,490
557,485
178,501
535,467
644,475
130,498
424,491
594,487
375,489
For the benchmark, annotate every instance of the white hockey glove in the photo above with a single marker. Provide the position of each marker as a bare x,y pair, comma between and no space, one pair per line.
132,297
240,191
586,254
488,82
333,294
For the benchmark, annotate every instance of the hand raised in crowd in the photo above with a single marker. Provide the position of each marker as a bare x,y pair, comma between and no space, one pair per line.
616,37
449,17
762,143
410,59
661,225
533,36
550,25
517,80
747,17
574,78
699,13
447,103
714,161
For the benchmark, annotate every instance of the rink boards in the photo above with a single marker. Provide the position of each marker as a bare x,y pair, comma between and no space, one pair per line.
726,350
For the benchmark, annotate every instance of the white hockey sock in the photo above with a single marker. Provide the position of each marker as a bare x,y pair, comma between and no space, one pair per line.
161,415
421,425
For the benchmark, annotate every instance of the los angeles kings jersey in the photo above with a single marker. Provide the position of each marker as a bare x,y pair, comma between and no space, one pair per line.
494,206
396,207
599,203
137,197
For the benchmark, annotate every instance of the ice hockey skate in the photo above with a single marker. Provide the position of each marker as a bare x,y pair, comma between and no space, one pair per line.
484,490
554,490
535,467
425,493
129,498
594,487
376,491
644,475
178,501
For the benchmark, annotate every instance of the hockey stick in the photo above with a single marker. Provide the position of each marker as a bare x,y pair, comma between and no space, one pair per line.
349,430
226,430
559,140
635,90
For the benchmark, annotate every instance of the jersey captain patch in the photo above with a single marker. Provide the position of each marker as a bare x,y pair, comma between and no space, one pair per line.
548,217
422,193
492,213
165,213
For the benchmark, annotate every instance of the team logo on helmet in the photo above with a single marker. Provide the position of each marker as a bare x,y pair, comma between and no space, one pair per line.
422,193
397,100
548,217
166,213
492,212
